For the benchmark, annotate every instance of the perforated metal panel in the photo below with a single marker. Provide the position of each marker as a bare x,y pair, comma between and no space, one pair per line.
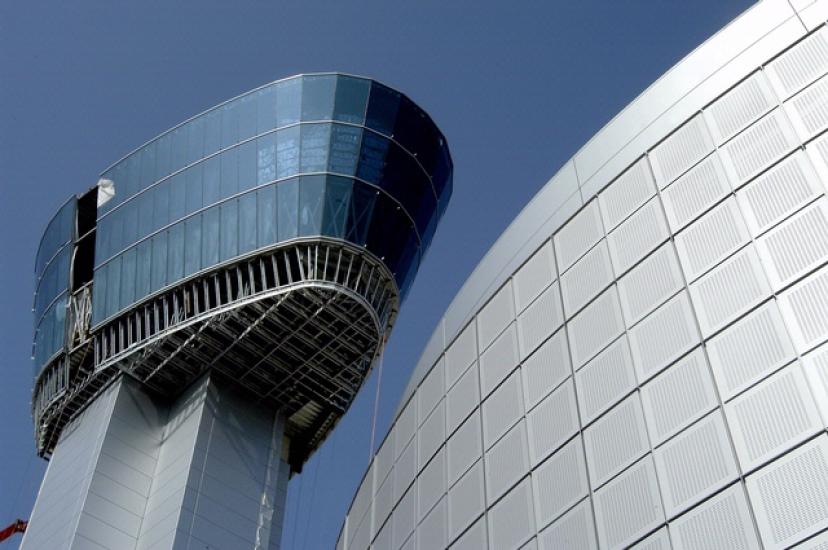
465,500
663,336
552,422
628,506
729,290
502,409
432,434
815,365
433,531
382,503
819,542
405,427
574,530
560,482
498,361
649,284
809,109
431,391
506,462
712,238
495,316
759,146
629,191
384,459
639,235
695,192
615,440
578,235
801,65
746,102
545,369
473,539
584,280
803,308
721,522
462,399
539,320
797,246
510,520
681,150
464,447
750,349
605,380
778,192
790,496
431,484
362,500
404,518
695,464
680,395
660,540
772,417
405,469
595,326
461,353
534,276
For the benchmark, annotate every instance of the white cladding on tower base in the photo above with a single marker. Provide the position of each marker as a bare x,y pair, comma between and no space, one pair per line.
131,473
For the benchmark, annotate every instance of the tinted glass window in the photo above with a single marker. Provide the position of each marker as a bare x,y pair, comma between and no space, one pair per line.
344,149
175,253
351,99
315,141
229,238
143,272
318,97
192,245
194,193
229,172
247,116
210,237
266,215
287,193
382,109
229,124
288,101
128,270
212,179
266,159
247,222
337,201
372,157
159,262
311,204
212,132
195,140
247,165
287,152
265,109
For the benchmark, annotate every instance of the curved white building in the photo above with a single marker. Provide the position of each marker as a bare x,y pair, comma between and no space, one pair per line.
640,358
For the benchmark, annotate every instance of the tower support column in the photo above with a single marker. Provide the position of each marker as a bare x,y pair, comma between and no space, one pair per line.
207,470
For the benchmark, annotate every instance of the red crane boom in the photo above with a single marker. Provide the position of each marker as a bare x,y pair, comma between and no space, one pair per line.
18,526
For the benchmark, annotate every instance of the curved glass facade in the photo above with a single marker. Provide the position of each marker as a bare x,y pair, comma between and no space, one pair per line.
320,155
52,283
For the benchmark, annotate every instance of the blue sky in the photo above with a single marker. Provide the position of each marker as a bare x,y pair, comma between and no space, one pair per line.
516,87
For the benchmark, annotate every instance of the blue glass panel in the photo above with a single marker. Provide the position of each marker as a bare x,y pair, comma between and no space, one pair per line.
179,147
247,116
163,159
130,221
143,273
160,205
318,97
210,237
372,157
133,177
128,271
195,140
311,204
442,173
229,124
212,132
212,179
288,101
416,134
99,294
175,253
149,168
59,327
247,165
116,231
361,210
351,99
195,191
145,205
344,152
408,184
229,239
103,248
287,152
178,196
266,159
159,261
266,203
192,245
247,222
229,172
287,193
315,141
265,109
337,202
113,286
383,103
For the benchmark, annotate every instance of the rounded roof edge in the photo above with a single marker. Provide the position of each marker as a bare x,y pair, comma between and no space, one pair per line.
729,55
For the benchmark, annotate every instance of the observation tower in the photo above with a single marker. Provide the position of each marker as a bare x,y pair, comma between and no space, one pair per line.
206,313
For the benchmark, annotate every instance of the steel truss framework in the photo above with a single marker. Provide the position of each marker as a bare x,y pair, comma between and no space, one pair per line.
296,328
